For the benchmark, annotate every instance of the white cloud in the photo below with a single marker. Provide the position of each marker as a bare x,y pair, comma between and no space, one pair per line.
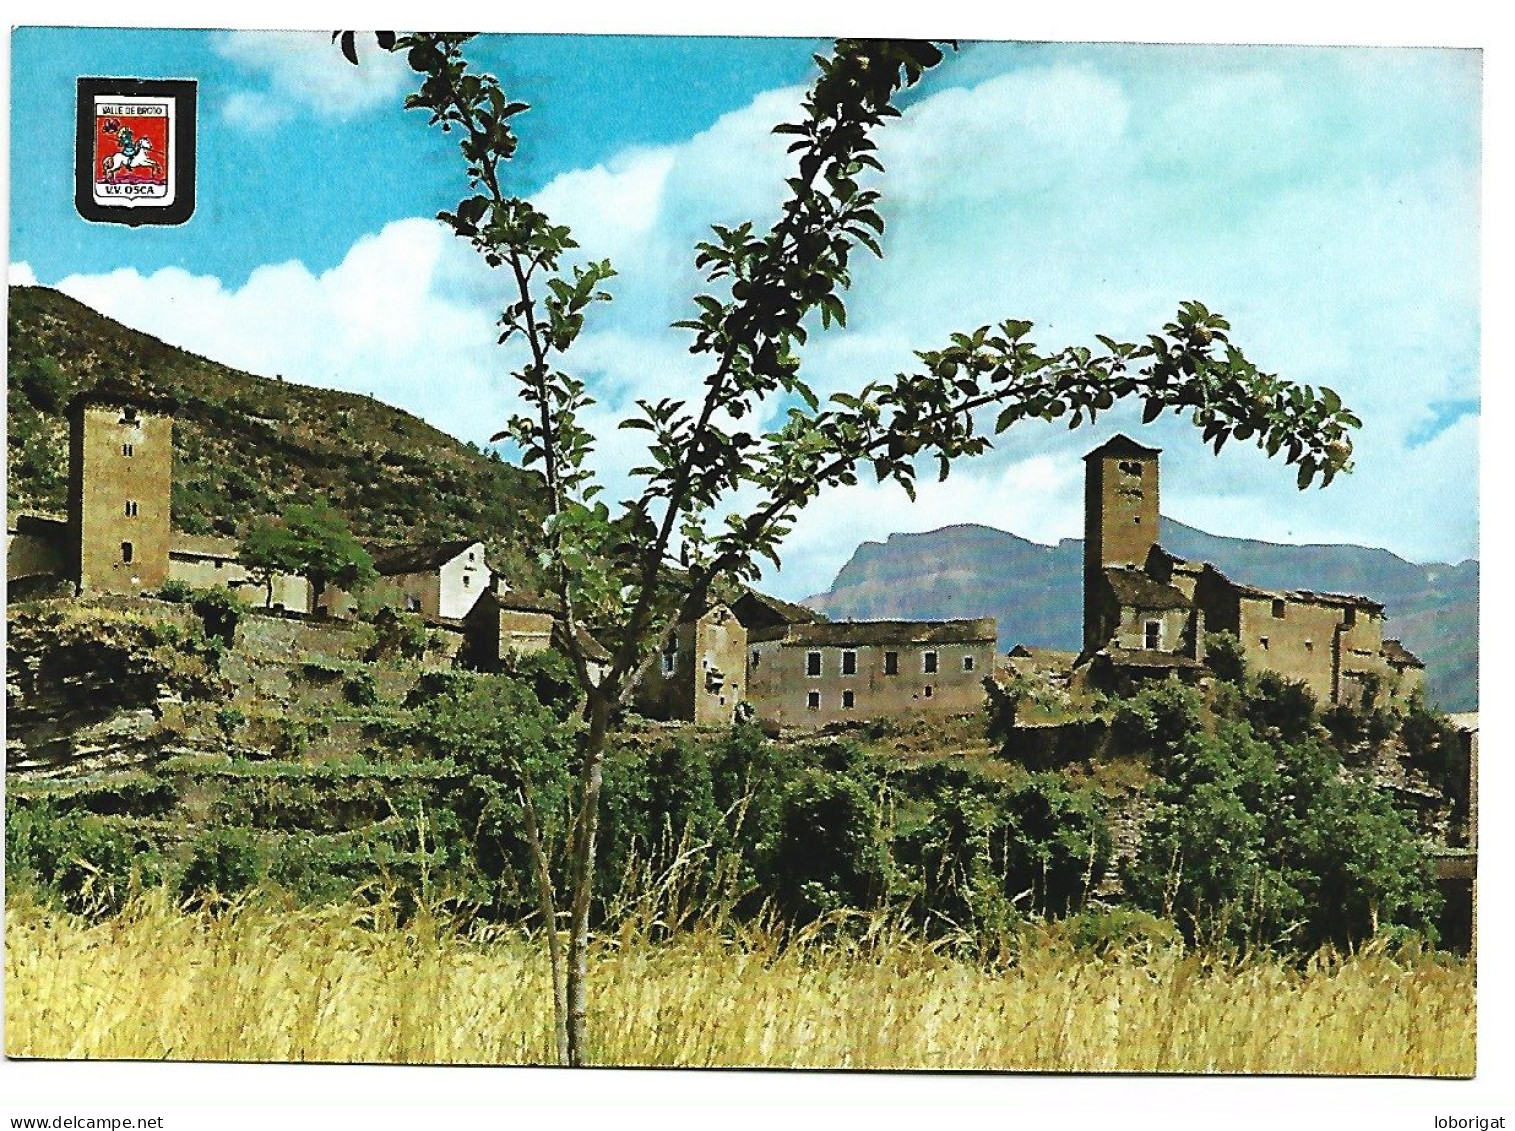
21,275
304,72
386,321
1334,220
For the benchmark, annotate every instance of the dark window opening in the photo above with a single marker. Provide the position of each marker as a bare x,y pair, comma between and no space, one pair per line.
1131,467
1351,617
928,691
930,663
131,510
967,663
126,551
126,450
1137,520
128,415
849,700
466,580
812,663
891,663
849,662
1278,607
756,656
1263,640
1154,635
813,701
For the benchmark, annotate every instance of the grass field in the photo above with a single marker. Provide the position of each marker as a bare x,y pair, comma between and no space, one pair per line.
268,984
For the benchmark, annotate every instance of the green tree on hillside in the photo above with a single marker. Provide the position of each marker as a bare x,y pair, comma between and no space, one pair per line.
309,539
732,462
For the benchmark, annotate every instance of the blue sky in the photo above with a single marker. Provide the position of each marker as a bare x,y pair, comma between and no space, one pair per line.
1326,200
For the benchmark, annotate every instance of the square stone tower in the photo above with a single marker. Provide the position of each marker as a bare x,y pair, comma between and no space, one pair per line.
1120,516
120,479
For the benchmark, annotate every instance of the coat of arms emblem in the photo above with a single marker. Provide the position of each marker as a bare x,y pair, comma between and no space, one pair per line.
135,150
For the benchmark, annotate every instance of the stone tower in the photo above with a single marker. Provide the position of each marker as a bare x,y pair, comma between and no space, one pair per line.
120,475
1120,517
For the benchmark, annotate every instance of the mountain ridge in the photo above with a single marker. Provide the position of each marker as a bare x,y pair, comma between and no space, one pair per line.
1035,589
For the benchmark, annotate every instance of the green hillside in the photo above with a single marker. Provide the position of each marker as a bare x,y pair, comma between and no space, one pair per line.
245,446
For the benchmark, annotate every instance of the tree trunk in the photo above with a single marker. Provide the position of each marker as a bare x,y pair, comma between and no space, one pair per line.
581,889
547,905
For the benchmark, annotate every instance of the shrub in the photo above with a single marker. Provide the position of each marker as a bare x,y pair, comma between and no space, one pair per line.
179,592
360,690
1286,705
1156,720
222,862
83,863
220,613
1225,657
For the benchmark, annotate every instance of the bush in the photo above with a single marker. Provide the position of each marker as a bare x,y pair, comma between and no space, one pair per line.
1285,705
1225,657
220,613
398,634
80,862
44,384
179,592
360,690
222,862
1264,843
827,853
1155,721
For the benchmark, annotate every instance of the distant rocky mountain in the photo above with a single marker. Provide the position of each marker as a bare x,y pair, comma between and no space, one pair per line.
1036,590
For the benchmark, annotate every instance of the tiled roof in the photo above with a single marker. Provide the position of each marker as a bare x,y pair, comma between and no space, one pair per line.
1135,589
884,632
1122,445
420,558
1396,653
759,610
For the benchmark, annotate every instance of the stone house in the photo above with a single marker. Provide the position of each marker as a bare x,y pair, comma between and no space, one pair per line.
810,674
792,668
207,561
1146,611
505,622
439,579
701,674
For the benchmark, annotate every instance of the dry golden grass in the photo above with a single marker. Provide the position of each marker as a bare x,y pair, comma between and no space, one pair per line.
261,984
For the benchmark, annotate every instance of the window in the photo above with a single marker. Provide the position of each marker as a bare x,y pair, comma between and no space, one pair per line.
849,662
1278,607
1136,520
670,658
1263,640
891,663
1152,638
967,663
131,509
812,663
756,656
849,700
220,563
126,450
126,551
928,662
1351,618
466,580
1131,467
928,691
813,700
1309,645
128,415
